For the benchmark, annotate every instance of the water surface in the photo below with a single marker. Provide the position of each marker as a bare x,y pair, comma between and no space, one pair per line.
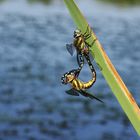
33,103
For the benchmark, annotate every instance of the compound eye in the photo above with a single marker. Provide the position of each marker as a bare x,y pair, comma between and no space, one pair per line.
75,34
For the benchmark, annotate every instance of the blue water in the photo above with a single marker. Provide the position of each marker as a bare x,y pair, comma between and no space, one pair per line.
33,103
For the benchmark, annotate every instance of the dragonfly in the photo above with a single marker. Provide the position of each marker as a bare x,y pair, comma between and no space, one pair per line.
79,43
78,86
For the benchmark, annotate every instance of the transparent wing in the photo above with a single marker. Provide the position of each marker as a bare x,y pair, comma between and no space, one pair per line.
72,92
91,58
87,94
70,48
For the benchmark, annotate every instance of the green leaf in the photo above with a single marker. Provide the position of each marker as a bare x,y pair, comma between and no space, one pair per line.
113,79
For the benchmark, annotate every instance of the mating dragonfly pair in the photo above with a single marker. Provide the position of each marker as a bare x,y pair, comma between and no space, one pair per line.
71,77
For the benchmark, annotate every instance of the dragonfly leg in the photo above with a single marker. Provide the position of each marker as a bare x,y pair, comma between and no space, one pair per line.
90,45
88,32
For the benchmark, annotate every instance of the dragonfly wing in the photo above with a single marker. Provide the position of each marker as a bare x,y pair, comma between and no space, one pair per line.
90,57
78,61
70,49
83,93
72,92
87,94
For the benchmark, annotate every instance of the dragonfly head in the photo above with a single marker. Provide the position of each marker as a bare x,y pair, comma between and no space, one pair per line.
68,77
77,33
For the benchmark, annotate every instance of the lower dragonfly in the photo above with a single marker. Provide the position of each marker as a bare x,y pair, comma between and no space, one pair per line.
77,85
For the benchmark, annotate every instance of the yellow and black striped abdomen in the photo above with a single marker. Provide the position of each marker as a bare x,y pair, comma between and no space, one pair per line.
89,83
79,85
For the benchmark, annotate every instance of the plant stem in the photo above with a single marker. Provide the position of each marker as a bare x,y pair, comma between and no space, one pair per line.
113,79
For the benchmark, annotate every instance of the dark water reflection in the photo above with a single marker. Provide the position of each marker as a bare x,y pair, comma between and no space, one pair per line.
43,1
32,56
122,2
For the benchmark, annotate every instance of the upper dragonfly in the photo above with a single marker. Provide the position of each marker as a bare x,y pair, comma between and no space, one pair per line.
80,44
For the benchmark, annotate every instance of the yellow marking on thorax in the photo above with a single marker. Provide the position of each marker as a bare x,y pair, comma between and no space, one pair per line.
79,43
80,85
76,84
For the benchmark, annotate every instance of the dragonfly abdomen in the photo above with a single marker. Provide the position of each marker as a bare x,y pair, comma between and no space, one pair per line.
89,84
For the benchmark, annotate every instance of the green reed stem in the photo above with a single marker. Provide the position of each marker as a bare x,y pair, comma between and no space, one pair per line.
112,77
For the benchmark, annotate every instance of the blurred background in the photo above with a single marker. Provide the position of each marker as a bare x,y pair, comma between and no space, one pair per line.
33,57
